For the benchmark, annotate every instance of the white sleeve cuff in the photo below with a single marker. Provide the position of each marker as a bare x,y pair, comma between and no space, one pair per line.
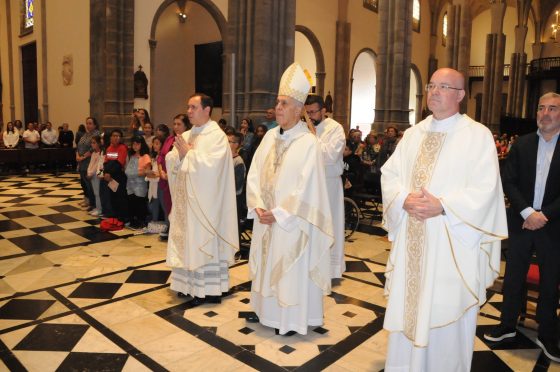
284,219
525,213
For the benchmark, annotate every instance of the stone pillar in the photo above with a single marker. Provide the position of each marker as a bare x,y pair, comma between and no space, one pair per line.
393,67
494,69
517,75
262,36
342,74
111,62
458,45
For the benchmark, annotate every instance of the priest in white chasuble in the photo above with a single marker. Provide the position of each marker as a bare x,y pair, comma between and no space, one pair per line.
332,141
292,233
203,235
445,214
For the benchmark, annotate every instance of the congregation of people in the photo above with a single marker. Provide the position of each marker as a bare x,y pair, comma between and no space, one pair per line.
440,184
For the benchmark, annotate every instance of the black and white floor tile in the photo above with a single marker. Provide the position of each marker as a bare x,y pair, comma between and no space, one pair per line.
75,298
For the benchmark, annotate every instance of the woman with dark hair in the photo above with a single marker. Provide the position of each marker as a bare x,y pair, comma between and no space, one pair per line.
144,117
10,136
83,155
135,126
257,138
162,130
79,133
246,129
114,178
180,125
148,134
136,185
368,157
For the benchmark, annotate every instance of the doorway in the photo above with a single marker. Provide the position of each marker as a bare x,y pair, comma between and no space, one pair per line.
29,78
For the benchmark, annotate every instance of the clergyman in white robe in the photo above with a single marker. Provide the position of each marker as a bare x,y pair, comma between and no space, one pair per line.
439,268
290,259
332,141
203,235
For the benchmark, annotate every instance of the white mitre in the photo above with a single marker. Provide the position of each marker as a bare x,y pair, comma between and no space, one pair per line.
294,83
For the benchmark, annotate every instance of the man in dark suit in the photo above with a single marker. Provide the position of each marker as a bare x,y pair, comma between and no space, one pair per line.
531,181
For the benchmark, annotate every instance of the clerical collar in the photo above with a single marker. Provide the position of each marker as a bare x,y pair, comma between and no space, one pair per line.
287,133
445,124
197,130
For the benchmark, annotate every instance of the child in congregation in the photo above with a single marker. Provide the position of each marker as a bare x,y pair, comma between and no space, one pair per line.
94,173
235,140
152,176
137,188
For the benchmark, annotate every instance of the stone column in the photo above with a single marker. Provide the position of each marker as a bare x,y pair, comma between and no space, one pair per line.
111,62
517,74
494,68
262,36
517,71
458,45
342,74
393,66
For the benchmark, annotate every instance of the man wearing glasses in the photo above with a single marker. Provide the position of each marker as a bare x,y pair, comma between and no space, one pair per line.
445,214
332,140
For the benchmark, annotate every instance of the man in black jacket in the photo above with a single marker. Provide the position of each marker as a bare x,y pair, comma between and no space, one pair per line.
531,181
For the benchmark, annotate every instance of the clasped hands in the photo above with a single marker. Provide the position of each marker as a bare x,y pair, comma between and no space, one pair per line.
422,205
535,221
182,146
265,217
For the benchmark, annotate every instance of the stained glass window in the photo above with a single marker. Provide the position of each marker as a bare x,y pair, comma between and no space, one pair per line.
416,15
29,13
444,30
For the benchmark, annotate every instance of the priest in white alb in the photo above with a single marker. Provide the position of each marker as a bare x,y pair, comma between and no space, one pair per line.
444,211
203,235
287,197
332,140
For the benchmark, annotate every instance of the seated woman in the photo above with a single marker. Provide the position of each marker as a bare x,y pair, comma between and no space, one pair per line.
11,136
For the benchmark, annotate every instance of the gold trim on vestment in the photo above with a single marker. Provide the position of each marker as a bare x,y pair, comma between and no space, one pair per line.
416,230
457,265
500,237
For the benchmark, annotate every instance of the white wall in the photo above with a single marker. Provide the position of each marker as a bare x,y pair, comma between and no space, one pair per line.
363,92
305,55
68,103
173,81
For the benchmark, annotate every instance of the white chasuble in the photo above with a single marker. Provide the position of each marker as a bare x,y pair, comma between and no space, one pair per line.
289,260
439,268
332,141
203,224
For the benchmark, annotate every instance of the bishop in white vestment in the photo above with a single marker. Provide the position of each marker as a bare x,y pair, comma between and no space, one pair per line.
203,235
292,233
444,211
332,141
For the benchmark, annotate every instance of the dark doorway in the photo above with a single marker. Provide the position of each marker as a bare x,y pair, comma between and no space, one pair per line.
208,70
29,72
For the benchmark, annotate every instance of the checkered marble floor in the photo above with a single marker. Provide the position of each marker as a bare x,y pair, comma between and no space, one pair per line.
75,298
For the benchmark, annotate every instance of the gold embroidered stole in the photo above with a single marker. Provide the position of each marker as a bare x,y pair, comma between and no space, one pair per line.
416,230
177,233
269,177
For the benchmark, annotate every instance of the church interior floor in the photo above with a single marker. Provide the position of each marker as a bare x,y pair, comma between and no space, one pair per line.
75,298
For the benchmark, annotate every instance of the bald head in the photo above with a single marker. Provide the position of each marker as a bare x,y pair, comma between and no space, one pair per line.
445,92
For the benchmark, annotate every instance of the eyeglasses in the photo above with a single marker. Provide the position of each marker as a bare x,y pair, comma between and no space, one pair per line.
313,112
443,87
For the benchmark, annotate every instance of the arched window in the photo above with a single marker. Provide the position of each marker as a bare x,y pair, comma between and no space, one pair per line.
28,13
444,30
416,15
